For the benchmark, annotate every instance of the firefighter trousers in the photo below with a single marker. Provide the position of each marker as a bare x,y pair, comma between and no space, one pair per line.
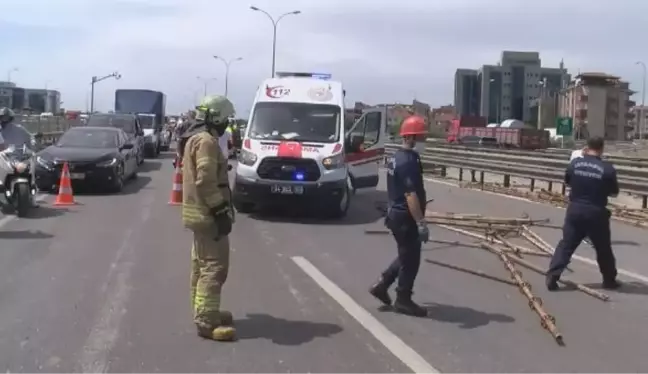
581,222
209,269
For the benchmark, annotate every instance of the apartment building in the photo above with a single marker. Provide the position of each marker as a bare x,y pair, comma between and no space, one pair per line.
639,121
599,104
35,99
508,89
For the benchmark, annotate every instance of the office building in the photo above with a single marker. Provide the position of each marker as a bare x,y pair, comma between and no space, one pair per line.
508,89
599,105
35,100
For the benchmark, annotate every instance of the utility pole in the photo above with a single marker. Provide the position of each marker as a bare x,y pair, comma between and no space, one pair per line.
642,119
274,31
96,80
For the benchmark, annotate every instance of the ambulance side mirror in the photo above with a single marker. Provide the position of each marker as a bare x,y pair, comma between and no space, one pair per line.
354,142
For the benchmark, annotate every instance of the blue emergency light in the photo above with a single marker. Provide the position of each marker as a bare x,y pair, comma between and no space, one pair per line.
299,176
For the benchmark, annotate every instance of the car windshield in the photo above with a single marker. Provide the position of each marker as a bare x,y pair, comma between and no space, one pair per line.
86,138
296,121
126,123
146,121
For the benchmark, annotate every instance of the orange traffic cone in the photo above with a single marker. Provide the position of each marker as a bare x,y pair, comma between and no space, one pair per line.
176,190
65,194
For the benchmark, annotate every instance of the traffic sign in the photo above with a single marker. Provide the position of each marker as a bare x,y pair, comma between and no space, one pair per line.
564,126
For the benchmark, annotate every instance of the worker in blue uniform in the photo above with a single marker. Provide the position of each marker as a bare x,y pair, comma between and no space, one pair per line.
591,181
405,218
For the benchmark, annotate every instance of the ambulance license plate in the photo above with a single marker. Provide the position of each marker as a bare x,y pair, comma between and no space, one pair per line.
287,189
77,176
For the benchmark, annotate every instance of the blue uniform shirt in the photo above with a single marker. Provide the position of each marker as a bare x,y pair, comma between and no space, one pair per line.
404,175
592,181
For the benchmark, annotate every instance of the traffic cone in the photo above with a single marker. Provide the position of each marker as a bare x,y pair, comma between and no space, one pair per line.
65,194
176,190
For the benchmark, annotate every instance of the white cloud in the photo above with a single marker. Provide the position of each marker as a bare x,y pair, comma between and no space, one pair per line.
383,50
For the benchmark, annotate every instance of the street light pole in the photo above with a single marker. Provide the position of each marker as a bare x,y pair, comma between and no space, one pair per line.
642,120
96,80
205,83
274,31
9,73
227,67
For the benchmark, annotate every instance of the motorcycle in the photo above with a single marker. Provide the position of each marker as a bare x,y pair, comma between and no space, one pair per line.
17,189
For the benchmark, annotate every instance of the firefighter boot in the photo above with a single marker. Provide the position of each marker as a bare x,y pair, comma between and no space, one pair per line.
551,281
380,291
405,305
220,333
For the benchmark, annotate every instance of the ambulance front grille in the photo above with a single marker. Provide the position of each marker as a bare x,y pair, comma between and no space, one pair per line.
284,169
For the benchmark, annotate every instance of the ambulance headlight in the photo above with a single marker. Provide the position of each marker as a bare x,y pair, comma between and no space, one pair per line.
247,158
334,162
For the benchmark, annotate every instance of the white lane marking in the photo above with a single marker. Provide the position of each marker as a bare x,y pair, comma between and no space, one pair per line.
102,338
586,260
391,341
7,219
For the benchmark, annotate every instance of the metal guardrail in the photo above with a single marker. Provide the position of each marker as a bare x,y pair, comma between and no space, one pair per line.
532,171
46,129
554,154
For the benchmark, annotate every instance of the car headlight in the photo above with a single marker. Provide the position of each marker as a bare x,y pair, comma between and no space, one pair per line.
107,163
47,164
334,162
247,158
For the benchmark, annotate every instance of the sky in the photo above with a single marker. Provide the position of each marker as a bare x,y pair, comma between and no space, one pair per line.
383,51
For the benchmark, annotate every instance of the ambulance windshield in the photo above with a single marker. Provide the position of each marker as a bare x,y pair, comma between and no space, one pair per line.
301,122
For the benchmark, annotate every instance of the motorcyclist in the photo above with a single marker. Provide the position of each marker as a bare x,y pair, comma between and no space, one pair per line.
13,133
207,211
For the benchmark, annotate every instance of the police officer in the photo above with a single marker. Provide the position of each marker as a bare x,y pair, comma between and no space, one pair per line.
405,218
592,181
207,211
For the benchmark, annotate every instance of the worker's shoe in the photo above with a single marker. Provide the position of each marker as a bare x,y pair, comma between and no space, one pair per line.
405,305
226,318
380,291
552,282
220,333
611,284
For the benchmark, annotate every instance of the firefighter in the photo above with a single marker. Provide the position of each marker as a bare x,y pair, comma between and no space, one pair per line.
592,181
207,211
405,218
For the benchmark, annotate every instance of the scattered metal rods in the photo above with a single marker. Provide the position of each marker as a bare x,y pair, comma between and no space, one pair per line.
494,234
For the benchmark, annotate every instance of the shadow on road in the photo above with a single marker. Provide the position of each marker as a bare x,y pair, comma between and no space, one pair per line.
150,165
25,234
630,288
465,317
44,211
166,155
281,331
364,209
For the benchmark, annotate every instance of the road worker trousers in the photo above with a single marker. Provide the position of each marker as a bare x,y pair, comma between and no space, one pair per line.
209,269
581,222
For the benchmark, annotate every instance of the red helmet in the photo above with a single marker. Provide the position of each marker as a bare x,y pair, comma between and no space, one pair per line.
413,125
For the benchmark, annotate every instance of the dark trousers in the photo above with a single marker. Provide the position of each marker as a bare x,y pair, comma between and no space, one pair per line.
406,266
582,222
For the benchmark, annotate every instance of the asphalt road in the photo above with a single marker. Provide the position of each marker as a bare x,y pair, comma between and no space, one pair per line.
104,286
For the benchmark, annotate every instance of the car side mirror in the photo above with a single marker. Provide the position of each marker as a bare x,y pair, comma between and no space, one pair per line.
354,142
127,146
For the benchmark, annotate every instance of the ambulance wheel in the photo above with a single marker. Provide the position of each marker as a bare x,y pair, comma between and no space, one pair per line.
243,207
340,207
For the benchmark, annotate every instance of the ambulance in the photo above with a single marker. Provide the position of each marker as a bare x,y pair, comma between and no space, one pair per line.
295,149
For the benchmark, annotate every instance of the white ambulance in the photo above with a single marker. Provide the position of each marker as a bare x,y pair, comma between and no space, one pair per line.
295,148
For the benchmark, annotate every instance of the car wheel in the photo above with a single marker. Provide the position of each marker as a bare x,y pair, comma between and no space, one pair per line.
118,184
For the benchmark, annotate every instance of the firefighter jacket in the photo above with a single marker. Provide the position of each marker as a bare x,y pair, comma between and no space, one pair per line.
205,183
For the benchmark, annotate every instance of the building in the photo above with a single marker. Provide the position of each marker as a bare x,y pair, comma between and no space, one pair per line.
506,90
36,100
639,128
599,104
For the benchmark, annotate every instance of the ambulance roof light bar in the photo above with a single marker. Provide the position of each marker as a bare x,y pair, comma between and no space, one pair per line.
285,74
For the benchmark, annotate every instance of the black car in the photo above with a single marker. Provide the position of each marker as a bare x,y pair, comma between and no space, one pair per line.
96,156
129,123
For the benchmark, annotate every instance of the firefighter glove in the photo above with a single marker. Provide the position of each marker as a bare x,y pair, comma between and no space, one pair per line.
223,220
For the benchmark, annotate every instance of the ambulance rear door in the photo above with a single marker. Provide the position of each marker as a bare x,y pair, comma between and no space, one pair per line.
364,162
